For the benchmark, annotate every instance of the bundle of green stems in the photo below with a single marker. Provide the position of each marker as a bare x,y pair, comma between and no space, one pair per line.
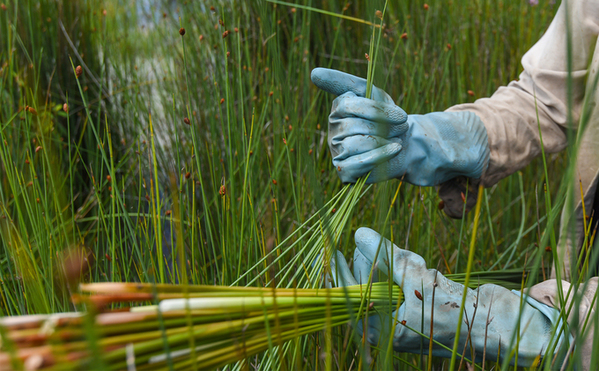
189,327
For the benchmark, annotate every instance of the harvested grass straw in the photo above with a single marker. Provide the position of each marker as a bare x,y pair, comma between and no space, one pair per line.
202,326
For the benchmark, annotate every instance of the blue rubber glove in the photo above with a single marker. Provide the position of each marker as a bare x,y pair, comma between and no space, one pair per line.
374,135
492,312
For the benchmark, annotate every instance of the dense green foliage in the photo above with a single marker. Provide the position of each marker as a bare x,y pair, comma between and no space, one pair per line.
187,155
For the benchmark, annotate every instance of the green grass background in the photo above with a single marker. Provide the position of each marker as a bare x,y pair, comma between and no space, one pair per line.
123,182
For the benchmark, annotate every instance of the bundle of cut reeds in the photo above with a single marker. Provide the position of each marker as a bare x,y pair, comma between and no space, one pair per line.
190,327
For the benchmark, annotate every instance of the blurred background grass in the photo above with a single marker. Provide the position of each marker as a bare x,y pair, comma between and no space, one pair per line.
177,158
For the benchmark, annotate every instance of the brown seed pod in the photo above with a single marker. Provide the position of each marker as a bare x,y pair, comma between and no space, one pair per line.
32,110
38,148
379,14
403,322
418,294
471,93
181,31
274,182
222,100
147,198
223,190
65,107
187,175
78,71
404,36
186,121
109,178
441,205
168,212
425,6
3,7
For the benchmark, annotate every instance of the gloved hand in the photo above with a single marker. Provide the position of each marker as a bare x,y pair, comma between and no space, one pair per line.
374,135
492,312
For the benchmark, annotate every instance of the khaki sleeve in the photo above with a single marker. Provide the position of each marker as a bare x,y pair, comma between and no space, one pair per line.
510,115
580,307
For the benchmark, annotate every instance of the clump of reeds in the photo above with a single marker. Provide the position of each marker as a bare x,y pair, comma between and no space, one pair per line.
191,326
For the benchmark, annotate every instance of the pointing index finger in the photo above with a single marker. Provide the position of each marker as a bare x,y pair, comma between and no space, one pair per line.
337,82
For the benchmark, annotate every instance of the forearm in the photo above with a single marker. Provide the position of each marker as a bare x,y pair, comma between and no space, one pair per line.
541,101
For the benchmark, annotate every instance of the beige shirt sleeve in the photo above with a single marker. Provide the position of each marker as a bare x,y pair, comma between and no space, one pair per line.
510,115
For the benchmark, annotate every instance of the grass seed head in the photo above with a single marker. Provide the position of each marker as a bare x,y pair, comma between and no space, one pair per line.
471,93
65,107
404,36
426,7
78,71
379,14
181,31
274,182
186,121
38,148
223,190
187,175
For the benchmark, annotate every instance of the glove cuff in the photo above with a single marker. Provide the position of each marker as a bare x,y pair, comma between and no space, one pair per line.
440,146
562,337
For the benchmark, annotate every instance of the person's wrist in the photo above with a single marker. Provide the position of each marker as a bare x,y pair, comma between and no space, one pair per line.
440,146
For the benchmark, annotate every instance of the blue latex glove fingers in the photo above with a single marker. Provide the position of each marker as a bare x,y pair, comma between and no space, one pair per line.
362,268
340,272
355,145
354,167
383,113
341,128
338,83
408,269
